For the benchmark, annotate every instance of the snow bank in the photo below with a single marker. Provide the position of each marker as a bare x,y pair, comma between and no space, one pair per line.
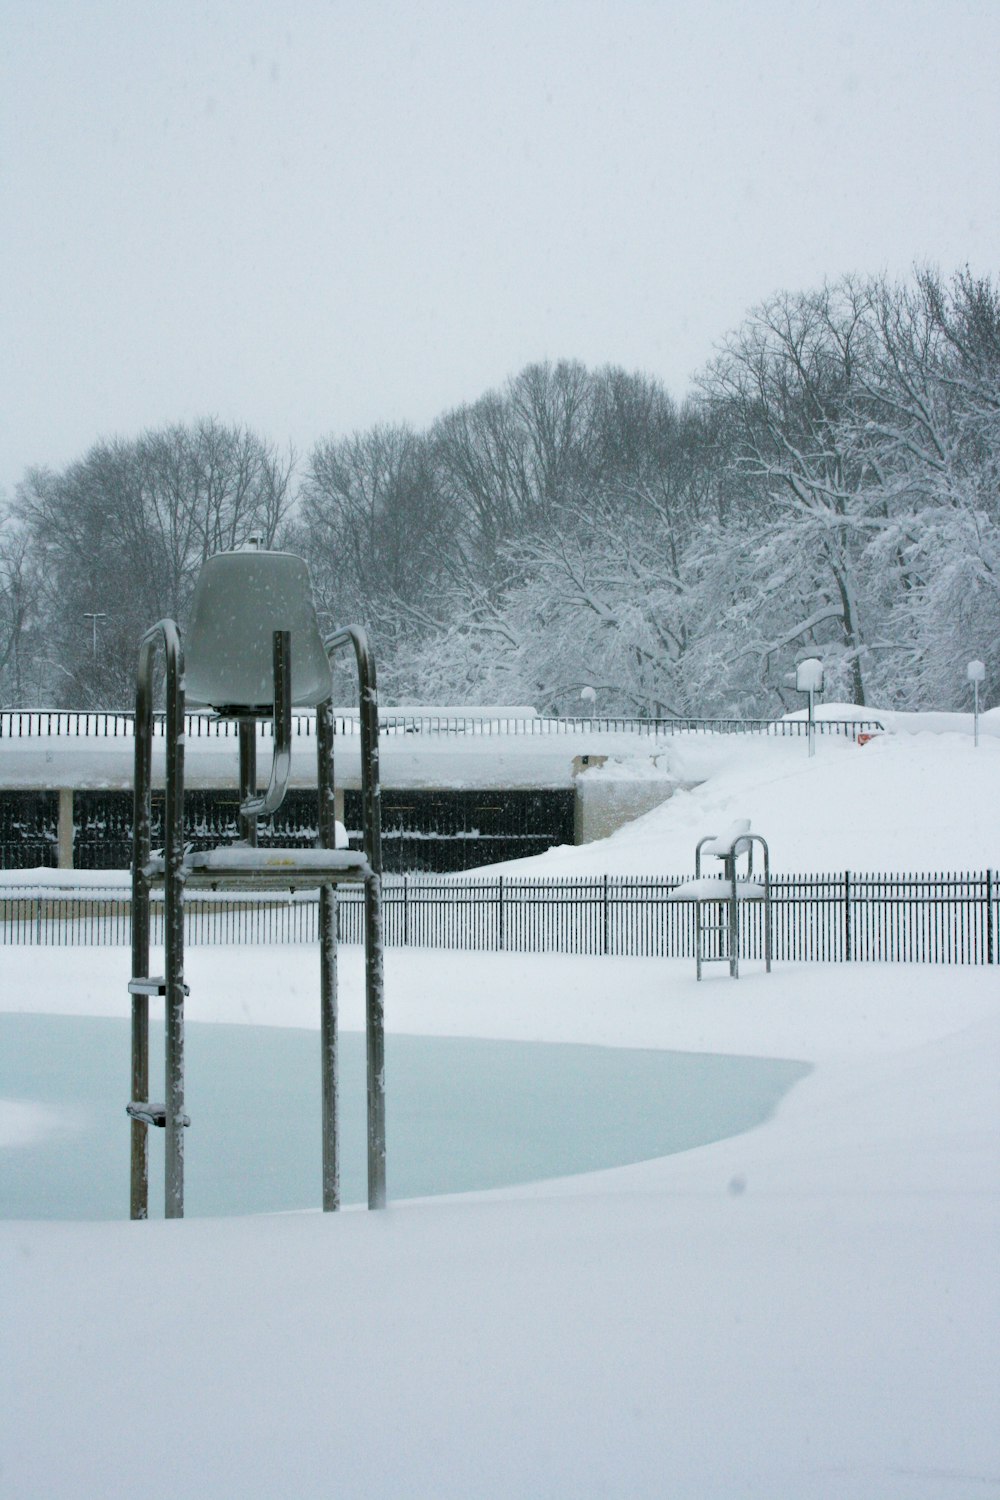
913,802
926,721
40,881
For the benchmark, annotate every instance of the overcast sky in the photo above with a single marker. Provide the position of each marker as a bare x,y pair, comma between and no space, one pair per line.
313,217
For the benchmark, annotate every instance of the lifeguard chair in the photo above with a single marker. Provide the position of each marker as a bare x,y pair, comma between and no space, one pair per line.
717,898
254,651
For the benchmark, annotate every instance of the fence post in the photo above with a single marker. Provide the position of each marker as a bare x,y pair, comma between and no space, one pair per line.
990,940
847,916
500,932
606,947
406,911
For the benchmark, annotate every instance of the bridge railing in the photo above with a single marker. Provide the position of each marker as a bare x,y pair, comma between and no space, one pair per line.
17,723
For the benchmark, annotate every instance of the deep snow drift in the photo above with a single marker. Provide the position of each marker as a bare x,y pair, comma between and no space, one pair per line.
908,800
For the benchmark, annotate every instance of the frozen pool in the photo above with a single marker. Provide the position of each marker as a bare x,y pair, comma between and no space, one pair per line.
461,1114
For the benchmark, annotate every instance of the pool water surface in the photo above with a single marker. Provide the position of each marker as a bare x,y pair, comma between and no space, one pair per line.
461,1114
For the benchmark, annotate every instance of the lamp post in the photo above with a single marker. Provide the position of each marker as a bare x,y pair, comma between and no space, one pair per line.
976,673
93,615
809,679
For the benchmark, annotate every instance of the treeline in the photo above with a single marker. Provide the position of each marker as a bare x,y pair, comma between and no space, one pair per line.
831,488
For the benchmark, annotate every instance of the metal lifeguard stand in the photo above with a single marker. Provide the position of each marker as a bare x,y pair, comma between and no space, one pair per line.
717,901
254,651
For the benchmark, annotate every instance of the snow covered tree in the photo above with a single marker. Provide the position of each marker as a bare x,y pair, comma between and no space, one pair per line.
931,430
789,383
376,531
22,663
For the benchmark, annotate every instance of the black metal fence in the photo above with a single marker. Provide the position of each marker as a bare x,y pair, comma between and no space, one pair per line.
23,723
845,917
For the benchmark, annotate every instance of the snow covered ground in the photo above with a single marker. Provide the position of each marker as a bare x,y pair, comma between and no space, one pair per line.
915,798
810,1309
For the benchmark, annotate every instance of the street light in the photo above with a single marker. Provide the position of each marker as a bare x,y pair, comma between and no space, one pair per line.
809,679
93,615
976,673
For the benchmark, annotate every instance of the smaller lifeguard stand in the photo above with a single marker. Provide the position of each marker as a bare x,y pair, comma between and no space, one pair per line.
717,898
254,651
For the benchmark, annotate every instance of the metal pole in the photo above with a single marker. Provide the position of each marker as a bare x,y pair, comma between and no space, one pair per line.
990,936
375,1035
733,918
173,936
93,616
248,779
327,829
374,986
141,817
767,902
975,711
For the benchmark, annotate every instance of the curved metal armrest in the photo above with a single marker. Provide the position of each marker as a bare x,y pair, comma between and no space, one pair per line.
368,701
281,759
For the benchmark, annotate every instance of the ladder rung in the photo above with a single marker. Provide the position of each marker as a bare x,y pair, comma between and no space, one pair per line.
152,1114
151,984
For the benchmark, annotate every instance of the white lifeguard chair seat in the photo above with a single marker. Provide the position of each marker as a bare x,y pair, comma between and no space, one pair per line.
240,600
733,841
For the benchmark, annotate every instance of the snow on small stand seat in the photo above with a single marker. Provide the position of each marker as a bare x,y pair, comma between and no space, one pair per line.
254,651
717,897
717,888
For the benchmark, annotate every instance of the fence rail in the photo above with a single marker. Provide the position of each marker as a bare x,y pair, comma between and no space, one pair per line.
844,917
28,723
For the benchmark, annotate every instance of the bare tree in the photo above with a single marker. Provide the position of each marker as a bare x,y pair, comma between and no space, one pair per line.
122,533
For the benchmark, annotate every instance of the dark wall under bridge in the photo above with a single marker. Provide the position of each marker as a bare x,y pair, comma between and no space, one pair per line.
29,830
425,830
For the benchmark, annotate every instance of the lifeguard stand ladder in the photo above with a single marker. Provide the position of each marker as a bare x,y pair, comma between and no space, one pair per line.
717,919
254,650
